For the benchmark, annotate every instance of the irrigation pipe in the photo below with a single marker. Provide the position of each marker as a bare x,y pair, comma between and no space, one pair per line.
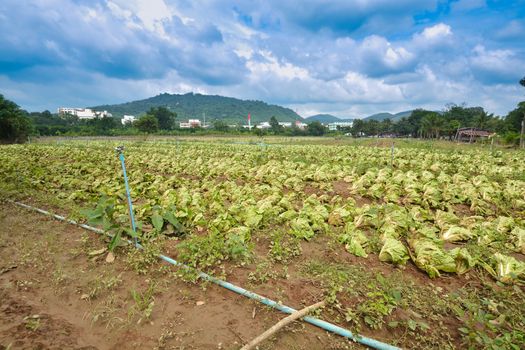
376,344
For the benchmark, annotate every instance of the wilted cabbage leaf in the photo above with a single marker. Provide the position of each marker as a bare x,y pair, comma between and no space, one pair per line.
505,268
301,228
430,257
393,251
456,234
464,261
355,240
518,239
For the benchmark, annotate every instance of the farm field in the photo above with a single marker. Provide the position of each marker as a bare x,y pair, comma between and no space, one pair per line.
422,247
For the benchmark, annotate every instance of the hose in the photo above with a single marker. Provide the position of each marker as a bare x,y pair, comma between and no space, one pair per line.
239,290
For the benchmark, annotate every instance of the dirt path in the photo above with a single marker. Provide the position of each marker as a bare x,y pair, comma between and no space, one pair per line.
54,295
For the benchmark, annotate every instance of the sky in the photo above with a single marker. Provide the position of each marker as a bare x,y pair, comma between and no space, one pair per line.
349,58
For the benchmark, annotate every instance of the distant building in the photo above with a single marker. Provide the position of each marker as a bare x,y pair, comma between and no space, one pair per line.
192,123
471,134
333,126
263,125
285,124
83,113
300,125
127,119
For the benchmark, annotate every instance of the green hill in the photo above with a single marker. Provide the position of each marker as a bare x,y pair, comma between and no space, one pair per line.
380,116
326,118
190,105
393,117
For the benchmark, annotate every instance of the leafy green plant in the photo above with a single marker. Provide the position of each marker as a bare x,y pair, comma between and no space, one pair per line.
105,215
144,303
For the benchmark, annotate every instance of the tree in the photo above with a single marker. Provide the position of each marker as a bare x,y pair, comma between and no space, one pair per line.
15,126
414,120
386,126
275,126
102,126
315,129
219,125
358,127
165,117
147,124
432,125
372,127
402,127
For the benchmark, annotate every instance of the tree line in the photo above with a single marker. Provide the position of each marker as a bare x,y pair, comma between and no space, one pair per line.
431,124
16,124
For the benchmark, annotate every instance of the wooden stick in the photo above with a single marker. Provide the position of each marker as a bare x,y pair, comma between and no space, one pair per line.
285,321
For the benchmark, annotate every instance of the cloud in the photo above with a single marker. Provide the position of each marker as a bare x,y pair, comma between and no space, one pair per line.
467,5
496,66
353,57
513,30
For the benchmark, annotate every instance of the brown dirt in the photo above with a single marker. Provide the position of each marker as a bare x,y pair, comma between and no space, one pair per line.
341,188
46,277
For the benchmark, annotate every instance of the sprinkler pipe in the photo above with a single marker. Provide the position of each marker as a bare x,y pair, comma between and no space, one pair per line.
375,344
120,152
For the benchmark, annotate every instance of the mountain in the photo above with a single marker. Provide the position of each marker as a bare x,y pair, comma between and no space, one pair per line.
380,116
190,105
393,117
325,118
404,114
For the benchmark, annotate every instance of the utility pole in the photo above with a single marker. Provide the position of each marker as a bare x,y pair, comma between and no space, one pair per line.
522,144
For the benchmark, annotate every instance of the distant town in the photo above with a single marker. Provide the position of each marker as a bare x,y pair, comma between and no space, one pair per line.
87,113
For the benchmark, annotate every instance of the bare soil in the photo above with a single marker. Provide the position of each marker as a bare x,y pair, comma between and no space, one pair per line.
55,295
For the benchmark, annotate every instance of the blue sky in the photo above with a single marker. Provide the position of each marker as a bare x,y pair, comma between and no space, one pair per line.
350,58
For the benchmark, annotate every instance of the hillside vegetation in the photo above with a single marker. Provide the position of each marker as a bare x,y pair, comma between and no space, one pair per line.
190,105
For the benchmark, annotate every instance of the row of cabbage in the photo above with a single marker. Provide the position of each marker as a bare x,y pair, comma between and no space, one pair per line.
445,211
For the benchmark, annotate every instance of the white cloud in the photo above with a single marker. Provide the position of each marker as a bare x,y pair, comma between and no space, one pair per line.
437,32
151,12
117,50
495,66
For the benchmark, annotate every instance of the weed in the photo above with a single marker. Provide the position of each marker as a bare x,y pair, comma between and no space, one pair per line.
32,322
144,303
106,310
210,250
141,260
283,247
101,283
59,276
262,274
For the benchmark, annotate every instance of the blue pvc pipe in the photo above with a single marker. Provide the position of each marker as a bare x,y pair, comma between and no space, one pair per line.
130,204
239,290
288,310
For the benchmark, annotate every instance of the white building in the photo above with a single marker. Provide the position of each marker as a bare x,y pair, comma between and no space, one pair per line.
192,123
127,119
285,124
83,113
333,126
263,125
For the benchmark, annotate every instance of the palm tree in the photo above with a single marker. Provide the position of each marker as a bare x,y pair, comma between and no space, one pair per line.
431,125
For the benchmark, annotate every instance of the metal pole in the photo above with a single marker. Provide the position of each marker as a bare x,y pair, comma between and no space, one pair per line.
120,152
